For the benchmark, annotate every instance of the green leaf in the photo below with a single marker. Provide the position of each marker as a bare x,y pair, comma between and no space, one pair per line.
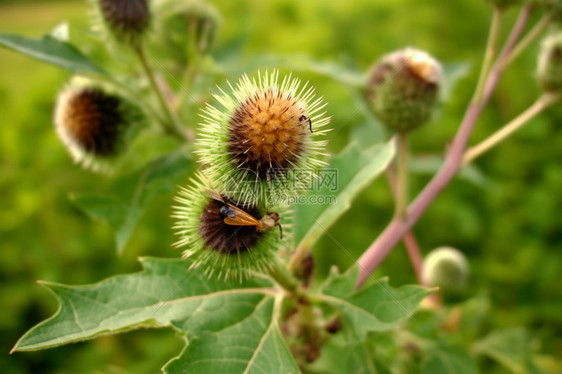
254,345
352,171
164,294
377,307
510,348
444,359
123,208
229,326
51,50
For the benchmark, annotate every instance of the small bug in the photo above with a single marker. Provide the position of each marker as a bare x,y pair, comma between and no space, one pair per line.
235,216
304,119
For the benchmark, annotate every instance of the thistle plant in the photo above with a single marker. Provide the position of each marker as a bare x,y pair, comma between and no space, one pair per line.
253,184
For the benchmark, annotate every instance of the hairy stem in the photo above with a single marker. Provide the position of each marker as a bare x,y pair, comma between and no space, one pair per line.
171,125
489,55
538,106
402,176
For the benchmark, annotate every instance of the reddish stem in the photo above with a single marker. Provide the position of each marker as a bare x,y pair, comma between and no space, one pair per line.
496,71
397,228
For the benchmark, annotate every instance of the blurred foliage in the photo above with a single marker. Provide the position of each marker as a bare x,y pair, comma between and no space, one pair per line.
509,225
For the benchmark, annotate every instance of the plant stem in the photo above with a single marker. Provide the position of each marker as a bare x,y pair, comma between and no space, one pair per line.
538,106
396,229
527,40
171,125
489,55
409,239
496,71
414,253
402,176
284,278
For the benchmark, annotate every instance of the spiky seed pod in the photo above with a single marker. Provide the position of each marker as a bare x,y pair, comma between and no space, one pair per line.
404,88
549,69
224,251
446,268
179,24
95,124
126,20
262,143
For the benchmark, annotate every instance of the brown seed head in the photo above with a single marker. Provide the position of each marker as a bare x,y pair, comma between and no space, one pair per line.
267,132
225,238
127,19
92,119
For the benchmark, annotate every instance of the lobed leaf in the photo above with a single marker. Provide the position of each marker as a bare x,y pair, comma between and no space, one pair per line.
231,327
377,307
53,51
164,294
254,345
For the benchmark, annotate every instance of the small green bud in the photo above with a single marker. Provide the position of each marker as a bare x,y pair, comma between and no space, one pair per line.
126,20
404,88
549,69
446,268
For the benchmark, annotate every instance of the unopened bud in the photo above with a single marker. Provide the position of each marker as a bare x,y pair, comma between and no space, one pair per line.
446,268
404,88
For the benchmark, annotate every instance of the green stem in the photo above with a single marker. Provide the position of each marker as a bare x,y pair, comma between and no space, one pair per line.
491,48
538,106
284,278
402,177
171,125
527,40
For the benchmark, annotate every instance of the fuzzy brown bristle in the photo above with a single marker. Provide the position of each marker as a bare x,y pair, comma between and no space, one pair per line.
226,238
126,16
267,133
93,120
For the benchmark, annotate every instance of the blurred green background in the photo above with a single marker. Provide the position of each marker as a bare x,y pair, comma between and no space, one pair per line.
508,222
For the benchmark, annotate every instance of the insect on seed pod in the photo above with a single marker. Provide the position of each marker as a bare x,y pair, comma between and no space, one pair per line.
227,240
